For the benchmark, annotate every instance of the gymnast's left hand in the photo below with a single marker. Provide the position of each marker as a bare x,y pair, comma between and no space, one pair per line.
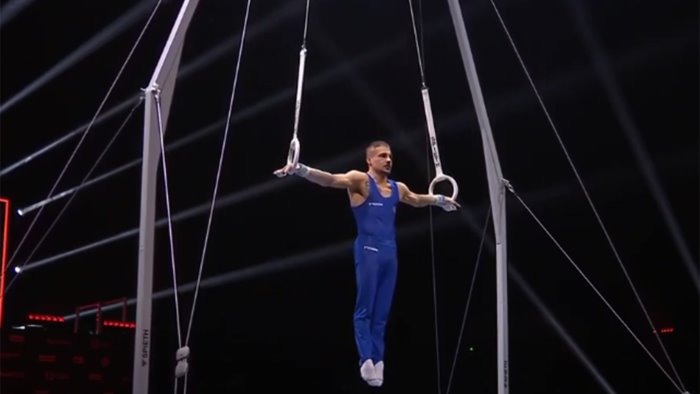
447,203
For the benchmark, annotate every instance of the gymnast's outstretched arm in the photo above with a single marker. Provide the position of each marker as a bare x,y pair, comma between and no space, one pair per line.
345,180
407,196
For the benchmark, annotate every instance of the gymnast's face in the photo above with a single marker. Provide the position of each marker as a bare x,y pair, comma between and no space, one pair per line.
379,159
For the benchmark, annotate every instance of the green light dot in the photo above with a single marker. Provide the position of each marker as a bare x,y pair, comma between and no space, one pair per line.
471,348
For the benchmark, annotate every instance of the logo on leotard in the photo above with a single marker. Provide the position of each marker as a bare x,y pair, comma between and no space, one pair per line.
371,248
376,204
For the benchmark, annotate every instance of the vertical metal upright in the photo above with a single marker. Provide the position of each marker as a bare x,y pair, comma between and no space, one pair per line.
161,87
496,194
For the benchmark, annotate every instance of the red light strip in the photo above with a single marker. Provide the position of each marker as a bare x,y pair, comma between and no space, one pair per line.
122,324
665,330
6,219
34,316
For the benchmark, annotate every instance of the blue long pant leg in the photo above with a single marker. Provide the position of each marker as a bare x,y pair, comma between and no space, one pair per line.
375,271
382,304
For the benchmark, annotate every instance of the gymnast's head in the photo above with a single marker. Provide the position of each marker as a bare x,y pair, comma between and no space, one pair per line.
378,156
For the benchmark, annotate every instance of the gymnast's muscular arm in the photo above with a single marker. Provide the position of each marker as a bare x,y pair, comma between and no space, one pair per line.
406,196
348,180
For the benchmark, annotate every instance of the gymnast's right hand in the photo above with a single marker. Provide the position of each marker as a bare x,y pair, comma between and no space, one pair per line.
288,169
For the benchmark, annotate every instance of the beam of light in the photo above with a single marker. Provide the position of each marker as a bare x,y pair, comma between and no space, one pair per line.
190,138
560,330
286,264
97,41
11,9
105,116
187,70
124,167
55,197
631,133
